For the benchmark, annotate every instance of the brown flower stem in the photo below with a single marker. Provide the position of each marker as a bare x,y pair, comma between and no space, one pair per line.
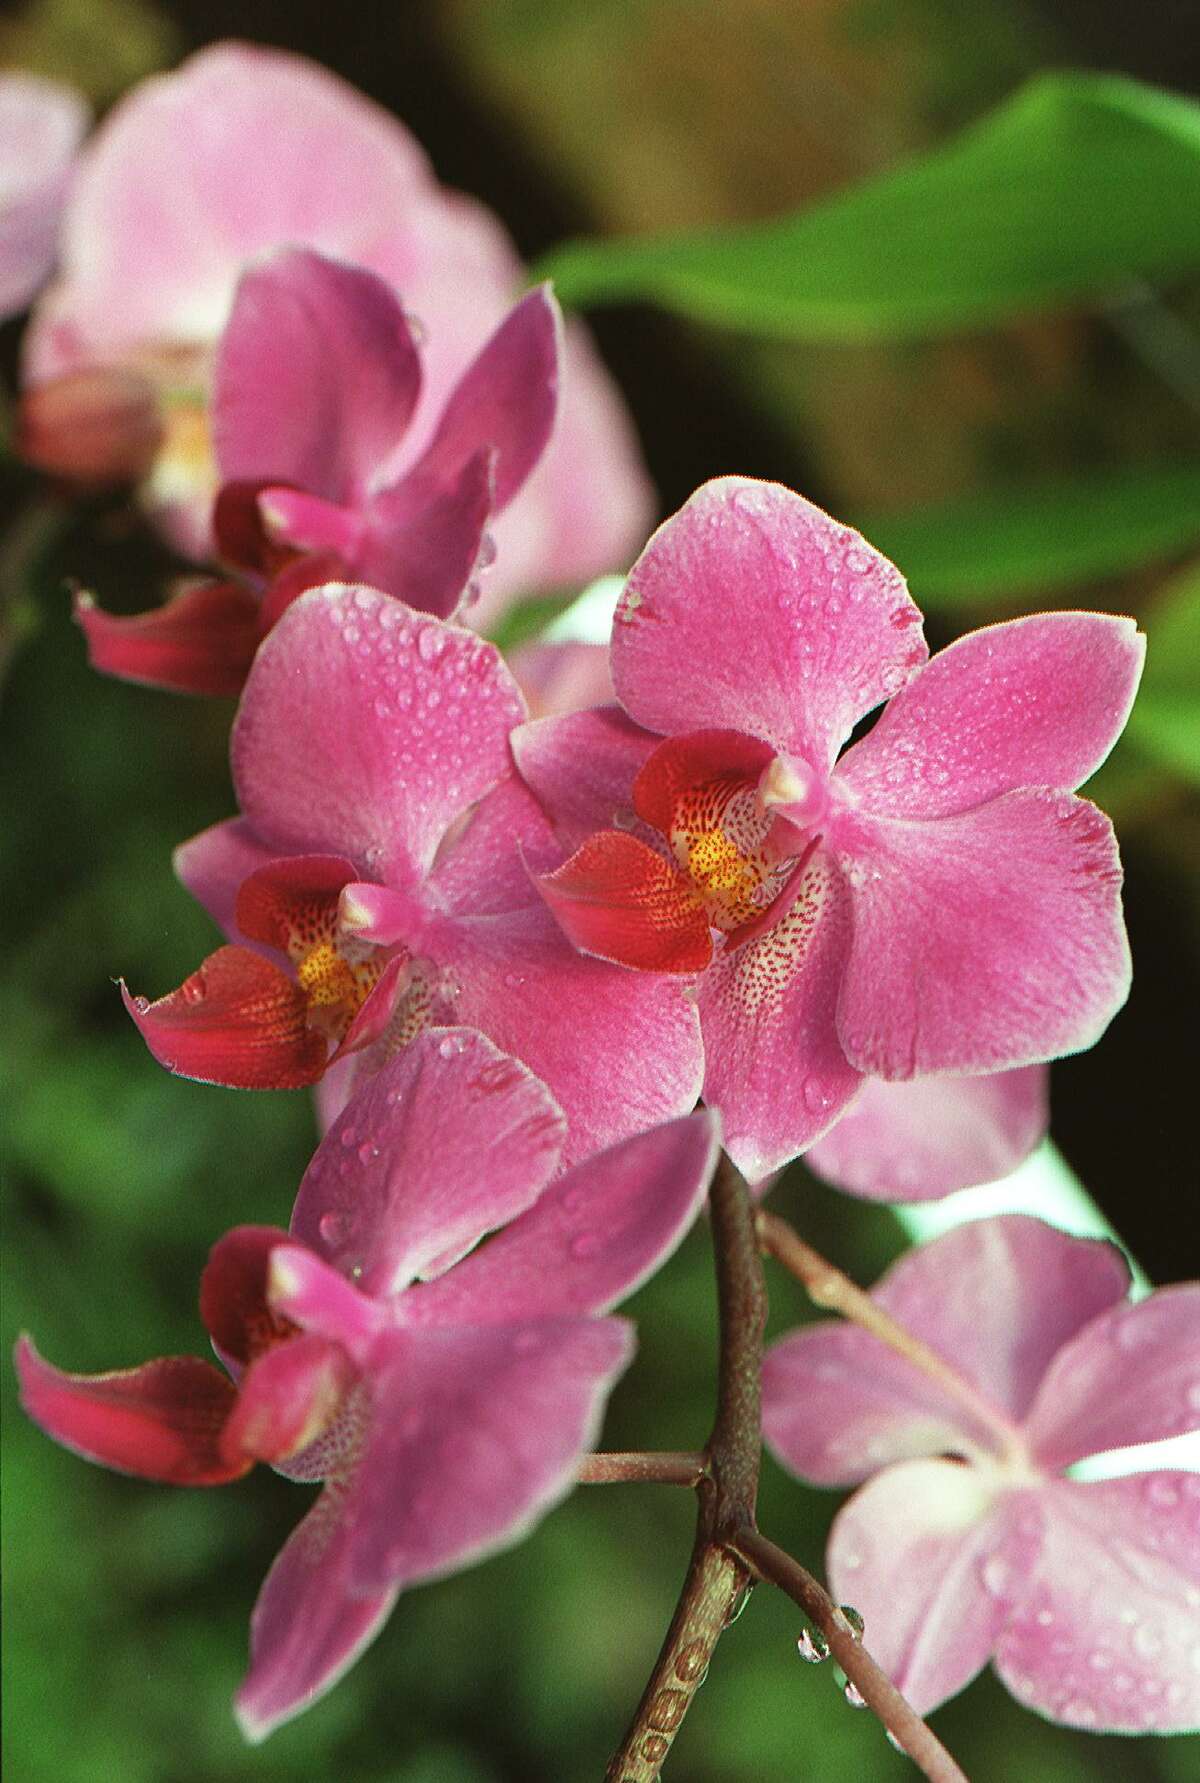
828,1288
767,1561
666,1467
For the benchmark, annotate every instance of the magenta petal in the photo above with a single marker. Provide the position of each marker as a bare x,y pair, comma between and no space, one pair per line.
286,1399
365,730
582,767
562,677
237,1020
932,1558
200,641
213,865
591,1238
448,1140
422,540
505,400
317,376
1034,702
490,864
774,1065
925,1138
752,610
1130,1376
475,1433
984,941
308,1625
312,1294
1107,1636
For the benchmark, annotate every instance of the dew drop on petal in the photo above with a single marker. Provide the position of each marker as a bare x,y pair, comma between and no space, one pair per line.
349,1137
584,1244
995,1574
332,1227
367,1151
1161,1490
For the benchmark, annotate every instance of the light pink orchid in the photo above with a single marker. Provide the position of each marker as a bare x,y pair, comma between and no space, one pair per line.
318,376
242,150
973,1543
445,1398
932,902
41,126
379,875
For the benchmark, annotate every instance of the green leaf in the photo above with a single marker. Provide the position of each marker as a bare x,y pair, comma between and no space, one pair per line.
1165,721
1005,543
1076,185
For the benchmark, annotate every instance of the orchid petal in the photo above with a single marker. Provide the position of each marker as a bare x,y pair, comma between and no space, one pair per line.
682,763
286,1399
1033,702
489,865
233,1293
1106,1636
214,865
423,540
983,941
201,641
237,1020
286,897
618,899
562,677
304,1289
582,767
751,610
926,1137
41,123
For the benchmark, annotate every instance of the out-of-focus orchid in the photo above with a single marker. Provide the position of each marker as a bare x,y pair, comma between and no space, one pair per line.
379,873
445,1398
973,1543
933,902
163,186
41,126
318,376
558,677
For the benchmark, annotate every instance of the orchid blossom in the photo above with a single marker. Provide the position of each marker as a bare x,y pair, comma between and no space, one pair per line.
41,125
933,902
973,1542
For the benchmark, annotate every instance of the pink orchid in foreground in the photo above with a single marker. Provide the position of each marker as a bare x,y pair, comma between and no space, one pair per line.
445,1398
973,1543
318,376
932,902
242,150
41,125
379,874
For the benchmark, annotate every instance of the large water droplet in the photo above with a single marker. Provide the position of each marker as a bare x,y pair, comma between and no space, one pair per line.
332,1227
431,642
368,1151
348,1137
854,1619
995,1574
812,1646
854,1695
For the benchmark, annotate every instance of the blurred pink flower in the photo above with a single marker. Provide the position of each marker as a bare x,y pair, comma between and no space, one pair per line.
445,1418
973,1543
41,126
930,903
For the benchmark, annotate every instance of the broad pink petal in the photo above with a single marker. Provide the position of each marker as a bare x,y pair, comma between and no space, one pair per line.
214,864
618,899
423,540
290,519
620,1051
365,731
691,760
932,1558
161,1421
489,865
448,1140
591,1238
286,1399
504,400
317,376
201,641
238,1021
233,1292
1106,1638
562,677
1033,702
774,1065
1130,1376
927,1137
582,767
475,1433
41,123
751,610
983,941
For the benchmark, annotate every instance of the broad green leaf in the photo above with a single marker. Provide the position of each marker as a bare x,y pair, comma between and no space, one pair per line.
1005,543
1073,187
1165,721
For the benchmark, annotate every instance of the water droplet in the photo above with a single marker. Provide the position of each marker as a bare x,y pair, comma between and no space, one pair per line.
332,1227
852,1560
433,699
367,1151
854,1619
812,1646
854,1695
431,641
584,1244
1193,1397
1044,1618
487,551
1161,1490
892,679
348,1137
816,1098
351,634
995,1574
573,1201
448,1047
1147,1641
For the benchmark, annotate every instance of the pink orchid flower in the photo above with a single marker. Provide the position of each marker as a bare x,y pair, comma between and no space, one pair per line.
932,902
41,126
318,376
973,1543
164,186
379,876
444,1398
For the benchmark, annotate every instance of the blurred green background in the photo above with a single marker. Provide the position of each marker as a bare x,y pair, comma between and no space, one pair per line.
1009,461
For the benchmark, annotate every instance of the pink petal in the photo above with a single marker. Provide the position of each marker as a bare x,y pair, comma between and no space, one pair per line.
238,1021
316,378
561,677
233,1293
984,941
774,1065
591,1238
214,864
423,540
620,1051
932,1557
448,1140
685,762
919,1140
475,1433
286,1399
312,1294
299,894
41,124
489,865
293,520
751,610
1130,1376
1107,1636
160,1422
1034,702
365,731
582,767
505,400
200,641
618,899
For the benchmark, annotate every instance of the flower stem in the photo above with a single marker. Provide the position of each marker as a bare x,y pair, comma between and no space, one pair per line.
667,1467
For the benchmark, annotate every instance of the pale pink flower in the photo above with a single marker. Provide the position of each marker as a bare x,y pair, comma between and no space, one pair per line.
41,126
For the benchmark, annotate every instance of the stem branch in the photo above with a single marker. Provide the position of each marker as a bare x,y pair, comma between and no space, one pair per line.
667,1467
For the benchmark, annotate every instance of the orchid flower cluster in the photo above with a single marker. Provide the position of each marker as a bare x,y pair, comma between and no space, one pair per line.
797,890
